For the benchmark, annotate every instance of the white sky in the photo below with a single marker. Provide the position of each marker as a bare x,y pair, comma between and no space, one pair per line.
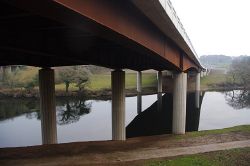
216,26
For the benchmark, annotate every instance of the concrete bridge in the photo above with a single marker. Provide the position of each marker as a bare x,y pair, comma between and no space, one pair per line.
117,34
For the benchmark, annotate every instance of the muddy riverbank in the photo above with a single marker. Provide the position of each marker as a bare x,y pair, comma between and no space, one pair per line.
113,152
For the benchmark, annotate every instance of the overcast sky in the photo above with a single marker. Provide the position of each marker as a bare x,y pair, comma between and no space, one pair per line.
216,26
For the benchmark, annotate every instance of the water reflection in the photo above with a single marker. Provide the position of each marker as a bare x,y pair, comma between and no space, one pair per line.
154,121
10,108
68,110
238,99
24,127
71,111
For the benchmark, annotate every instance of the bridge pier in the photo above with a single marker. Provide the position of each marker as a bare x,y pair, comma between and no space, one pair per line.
118,105
47,106
139,90
197,90
159,90
179,103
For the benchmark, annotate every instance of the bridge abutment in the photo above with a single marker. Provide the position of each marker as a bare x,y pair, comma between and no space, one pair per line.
118,105
179,103
47,106
139,90
159,90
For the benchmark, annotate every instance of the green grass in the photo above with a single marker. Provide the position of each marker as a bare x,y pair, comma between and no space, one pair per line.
184,161
232,157
242,128
97,81
103,81
27,74
213,80
148,80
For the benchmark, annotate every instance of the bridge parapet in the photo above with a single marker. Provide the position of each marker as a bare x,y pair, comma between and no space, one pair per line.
168,7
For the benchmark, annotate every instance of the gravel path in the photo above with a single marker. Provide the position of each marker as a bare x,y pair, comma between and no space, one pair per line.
118,153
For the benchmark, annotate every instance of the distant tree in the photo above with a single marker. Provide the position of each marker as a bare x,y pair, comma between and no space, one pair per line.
74,74
96,69
216,61
11,79
81,77
240,70
67,76
29,85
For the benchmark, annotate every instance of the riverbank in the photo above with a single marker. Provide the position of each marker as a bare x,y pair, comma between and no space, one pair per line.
102,94
134,151
100,87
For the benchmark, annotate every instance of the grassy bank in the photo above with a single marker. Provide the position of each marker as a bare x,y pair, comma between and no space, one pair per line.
242,128
214,80
239,157
103,81
100,84
131,151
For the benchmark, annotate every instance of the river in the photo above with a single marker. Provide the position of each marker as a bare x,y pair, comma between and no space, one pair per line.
90,120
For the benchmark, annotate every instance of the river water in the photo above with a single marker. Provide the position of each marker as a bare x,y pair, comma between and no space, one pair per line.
90,120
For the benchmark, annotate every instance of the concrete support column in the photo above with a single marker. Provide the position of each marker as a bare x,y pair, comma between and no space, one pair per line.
179,103
197,90
47,106
118,105
139,90
159,90
202,74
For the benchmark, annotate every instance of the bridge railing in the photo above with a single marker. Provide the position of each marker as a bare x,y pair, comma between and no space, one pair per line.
167,5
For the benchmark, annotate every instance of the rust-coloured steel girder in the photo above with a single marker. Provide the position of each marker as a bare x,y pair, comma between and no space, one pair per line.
116,20
116,16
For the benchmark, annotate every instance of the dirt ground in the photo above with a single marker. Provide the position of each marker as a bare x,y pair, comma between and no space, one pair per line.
106,152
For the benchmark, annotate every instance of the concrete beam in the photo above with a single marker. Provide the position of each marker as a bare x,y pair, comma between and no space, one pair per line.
139,90
179,103
47,106
118,105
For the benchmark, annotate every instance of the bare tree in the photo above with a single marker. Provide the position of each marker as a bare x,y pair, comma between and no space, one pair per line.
82,77
66,75
74,74
240,71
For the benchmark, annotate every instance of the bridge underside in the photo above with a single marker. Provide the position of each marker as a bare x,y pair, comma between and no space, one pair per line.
113,34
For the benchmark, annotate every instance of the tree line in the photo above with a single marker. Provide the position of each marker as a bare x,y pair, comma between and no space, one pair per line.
79,76
239,71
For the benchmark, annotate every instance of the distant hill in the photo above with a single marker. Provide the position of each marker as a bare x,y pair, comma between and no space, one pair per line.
216,61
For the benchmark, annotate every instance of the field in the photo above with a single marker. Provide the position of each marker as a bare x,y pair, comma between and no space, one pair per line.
103,81
98,82
214,79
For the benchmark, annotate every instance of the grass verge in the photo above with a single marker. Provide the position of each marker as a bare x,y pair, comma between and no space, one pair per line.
242,128
239,157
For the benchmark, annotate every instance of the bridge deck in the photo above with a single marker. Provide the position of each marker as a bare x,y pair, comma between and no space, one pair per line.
114,34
